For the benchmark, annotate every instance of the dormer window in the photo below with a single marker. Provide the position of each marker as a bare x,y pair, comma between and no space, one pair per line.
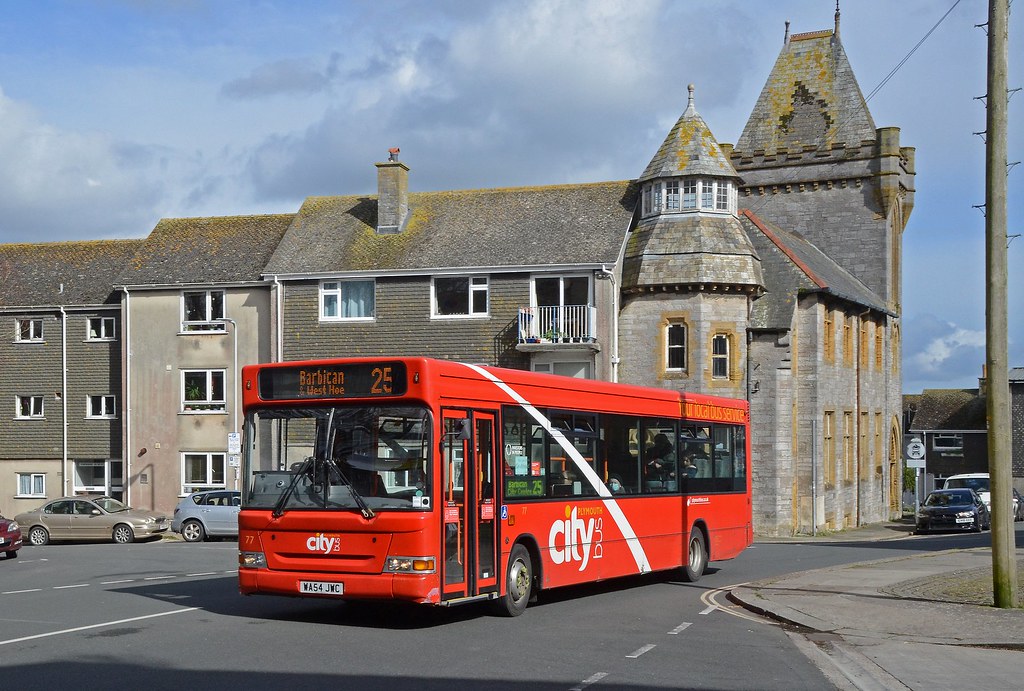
689,194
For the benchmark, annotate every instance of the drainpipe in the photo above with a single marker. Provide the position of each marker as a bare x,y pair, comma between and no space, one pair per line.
279,321
615,323
126,452
858,423
64,395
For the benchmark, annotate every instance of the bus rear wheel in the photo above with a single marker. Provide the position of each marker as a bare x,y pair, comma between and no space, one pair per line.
518,583
697,556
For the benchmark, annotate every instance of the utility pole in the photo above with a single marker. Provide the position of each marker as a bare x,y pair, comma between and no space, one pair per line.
1004,562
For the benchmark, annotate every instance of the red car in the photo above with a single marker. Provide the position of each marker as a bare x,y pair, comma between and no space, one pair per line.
10,537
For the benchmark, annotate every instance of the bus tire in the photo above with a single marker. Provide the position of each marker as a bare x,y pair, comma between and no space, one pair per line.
696,556
518,583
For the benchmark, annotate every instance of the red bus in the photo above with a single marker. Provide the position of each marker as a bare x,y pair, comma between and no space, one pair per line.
439,482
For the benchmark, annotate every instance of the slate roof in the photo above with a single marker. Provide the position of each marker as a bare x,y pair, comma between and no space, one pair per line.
688,249
528,226
811,98
188,251
950,409
1016,375
792,266
689,149
32,274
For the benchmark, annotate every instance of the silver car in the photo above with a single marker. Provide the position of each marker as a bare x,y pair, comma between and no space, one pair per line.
213,513
88,518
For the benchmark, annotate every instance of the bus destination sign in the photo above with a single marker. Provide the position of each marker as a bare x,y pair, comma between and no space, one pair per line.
352,380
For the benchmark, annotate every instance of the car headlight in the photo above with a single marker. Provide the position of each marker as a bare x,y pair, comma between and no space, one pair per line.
409,565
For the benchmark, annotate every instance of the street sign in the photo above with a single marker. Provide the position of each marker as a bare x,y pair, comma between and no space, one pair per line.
234,442
915,463
915,450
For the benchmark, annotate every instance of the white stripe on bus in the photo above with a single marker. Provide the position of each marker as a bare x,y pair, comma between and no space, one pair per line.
632,541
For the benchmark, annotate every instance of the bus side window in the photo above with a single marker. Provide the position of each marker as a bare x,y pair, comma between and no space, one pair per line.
619,434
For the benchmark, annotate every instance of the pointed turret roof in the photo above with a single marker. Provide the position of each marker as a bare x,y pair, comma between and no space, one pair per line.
689,149
811,97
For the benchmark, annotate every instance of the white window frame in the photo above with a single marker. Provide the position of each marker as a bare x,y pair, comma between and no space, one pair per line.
36,412
646,201
956,439
35,330
672,198
210,458
37,485
717,357
106,329
336,289
721,195
477,283
669,347
212,321
107,406
208,404
691,194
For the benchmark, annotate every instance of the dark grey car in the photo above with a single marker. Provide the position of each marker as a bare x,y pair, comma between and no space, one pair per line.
953,509
213,513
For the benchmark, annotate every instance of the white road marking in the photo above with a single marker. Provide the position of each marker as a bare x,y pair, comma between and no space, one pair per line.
679,628
592,679
205,573
640,651
708,598
18,592
95,626
157,578
77,585
124,580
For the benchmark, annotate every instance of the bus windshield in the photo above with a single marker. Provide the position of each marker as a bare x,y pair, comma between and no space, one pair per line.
349,458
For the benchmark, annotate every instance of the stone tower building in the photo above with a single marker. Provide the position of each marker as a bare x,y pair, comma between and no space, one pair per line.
689,272
831,194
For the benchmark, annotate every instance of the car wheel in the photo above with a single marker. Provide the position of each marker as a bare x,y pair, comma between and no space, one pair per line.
193,531
123,534
38,536
696,557
518,583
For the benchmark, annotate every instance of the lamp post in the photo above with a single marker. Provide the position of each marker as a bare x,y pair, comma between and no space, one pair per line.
235,386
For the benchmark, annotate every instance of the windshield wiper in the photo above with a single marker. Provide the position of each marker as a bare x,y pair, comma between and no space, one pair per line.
283,499
363,506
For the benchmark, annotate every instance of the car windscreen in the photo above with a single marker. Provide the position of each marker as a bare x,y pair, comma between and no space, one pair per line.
948,499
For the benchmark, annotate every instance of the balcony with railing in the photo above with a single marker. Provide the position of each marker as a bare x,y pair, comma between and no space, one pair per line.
558,324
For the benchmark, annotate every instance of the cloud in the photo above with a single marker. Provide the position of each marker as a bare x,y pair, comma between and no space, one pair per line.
939,353
60,183
286,77
520,95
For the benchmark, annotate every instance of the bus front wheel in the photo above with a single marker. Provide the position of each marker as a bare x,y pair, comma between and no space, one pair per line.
518,583
697,556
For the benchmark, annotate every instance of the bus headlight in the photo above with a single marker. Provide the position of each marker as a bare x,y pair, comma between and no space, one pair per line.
252,560
409,565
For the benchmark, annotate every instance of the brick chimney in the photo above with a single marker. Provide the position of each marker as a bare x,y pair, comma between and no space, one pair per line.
392,194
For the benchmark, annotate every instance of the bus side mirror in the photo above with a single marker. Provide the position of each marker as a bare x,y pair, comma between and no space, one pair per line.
465,429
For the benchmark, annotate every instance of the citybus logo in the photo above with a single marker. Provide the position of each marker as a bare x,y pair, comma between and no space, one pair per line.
322,542
576,539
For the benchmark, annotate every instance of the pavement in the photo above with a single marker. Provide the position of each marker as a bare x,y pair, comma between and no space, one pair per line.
922,620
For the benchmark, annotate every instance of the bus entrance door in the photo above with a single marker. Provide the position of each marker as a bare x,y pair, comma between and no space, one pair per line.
469,504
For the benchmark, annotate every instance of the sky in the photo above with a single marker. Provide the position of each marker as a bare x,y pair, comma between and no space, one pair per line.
116,113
